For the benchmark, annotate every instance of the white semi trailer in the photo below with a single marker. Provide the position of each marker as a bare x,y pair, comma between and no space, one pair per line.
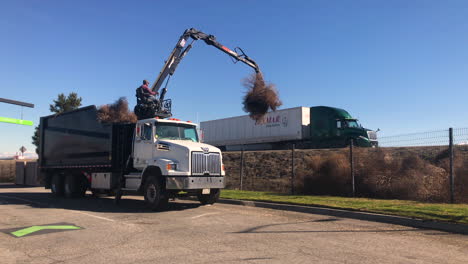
306,127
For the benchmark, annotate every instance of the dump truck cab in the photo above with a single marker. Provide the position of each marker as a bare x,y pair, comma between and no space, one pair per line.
170,148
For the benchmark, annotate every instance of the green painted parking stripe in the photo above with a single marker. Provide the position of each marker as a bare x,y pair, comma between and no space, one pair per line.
16,121
32,229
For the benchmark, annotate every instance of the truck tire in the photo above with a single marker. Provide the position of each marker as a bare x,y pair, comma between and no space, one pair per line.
75,186
211,198
155,196
56,185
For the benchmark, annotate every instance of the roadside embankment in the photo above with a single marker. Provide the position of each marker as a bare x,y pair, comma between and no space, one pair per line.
411,173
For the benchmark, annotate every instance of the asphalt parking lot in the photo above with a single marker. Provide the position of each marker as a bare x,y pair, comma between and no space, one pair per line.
190,233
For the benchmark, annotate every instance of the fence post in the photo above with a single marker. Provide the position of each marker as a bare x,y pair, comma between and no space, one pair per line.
452,174
241,166
351,161
293,174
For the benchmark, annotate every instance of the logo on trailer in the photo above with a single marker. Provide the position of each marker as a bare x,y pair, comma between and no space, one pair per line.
273,121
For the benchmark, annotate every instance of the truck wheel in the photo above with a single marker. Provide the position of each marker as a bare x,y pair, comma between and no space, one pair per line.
211,198
56,185
155,196
75,186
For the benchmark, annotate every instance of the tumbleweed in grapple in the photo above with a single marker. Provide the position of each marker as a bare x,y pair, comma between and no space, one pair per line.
116,112
260,96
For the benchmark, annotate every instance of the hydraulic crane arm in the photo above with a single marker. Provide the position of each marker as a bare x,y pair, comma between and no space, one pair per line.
180,51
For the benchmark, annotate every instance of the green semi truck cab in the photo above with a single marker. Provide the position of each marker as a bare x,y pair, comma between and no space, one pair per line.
330,126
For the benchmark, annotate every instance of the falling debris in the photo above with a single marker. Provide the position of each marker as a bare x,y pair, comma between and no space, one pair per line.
116,112
260,97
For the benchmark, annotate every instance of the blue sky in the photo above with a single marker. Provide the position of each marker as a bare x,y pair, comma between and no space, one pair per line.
401,66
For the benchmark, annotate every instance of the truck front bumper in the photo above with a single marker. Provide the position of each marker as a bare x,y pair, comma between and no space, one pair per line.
192,182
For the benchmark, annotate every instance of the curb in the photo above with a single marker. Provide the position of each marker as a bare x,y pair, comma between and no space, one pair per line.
389,219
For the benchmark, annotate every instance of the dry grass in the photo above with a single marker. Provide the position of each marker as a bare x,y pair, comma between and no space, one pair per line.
324,174
400,174
7,170
260,97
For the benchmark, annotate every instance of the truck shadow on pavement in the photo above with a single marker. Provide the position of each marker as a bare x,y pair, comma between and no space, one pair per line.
128,204
14,186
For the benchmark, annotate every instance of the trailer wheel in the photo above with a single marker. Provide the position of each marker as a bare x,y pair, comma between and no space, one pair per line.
155,196
56,185
75,186
211,198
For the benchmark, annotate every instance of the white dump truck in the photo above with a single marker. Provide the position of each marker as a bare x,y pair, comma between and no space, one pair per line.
157,158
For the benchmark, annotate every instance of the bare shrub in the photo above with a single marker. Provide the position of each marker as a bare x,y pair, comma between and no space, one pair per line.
260,97
116,112
461,182
460,170
397,174
326,175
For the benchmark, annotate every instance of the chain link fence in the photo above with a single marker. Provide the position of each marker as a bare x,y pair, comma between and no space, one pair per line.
432,138
427,166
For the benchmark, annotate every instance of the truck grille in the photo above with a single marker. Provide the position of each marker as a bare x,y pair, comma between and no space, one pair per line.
372,135
206,163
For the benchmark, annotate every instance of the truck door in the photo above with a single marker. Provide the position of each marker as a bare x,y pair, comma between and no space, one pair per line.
144,144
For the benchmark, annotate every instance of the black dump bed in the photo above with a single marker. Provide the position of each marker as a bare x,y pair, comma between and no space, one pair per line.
78,139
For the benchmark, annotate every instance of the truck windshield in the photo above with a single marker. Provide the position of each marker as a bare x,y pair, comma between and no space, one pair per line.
351,123
176,132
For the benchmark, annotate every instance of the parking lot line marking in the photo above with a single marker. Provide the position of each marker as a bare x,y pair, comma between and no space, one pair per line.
203,215
95,216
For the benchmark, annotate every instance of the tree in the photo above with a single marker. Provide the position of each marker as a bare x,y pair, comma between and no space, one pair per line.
61,105
35,138
65,103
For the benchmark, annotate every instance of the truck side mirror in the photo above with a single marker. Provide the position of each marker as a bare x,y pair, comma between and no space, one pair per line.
378,129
